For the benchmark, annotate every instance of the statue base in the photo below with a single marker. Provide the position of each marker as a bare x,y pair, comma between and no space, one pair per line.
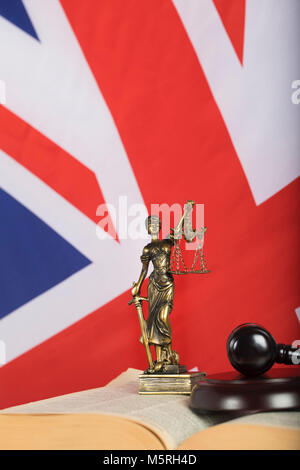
169,369
169,383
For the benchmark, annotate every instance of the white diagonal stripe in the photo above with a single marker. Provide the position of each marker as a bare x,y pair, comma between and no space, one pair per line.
254,99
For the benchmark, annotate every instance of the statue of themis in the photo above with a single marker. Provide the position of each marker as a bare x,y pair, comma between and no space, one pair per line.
156,329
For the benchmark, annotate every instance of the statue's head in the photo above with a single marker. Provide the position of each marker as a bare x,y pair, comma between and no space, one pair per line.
153,224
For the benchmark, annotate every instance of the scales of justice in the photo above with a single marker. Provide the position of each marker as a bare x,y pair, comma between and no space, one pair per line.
165,375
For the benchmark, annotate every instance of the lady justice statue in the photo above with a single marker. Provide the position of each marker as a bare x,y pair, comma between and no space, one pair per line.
156,330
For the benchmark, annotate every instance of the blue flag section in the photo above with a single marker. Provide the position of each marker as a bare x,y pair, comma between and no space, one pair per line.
33,256
15,12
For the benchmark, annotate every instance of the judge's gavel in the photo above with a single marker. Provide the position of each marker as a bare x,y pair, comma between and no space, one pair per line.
252,350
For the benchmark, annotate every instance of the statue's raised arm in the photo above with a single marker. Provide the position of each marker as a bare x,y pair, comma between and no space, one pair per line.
184,226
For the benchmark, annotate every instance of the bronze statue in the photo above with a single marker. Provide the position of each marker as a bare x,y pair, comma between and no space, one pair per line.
156,330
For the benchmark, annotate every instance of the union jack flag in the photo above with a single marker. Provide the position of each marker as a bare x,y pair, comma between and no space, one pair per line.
161,101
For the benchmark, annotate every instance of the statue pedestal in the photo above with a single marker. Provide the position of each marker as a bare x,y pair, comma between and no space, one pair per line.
169,383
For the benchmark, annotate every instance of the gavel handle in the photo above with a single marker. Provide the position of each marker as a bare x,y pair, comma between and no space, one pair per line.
287,355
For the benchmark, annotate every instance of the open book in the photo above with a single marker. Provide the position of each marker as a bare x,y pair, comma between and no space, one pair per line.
117,417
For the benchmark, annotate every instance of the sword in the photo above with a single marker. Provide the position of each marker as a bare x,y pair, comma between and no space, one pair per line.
136,300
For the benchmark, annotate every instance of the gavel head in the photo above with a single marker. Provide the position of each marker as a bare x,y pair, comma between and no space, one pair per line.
251,349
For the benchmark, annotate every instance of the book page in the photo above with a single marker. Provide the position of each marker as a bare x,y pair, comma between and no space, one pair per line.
167,414
75,432
243,436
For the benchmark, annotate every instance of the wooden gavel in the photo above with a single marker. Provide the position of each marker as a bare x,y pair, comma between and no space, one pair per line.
252,350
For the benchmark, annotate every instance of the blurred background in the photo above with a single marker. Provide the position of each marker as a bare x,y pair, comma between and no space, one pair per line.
160,101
